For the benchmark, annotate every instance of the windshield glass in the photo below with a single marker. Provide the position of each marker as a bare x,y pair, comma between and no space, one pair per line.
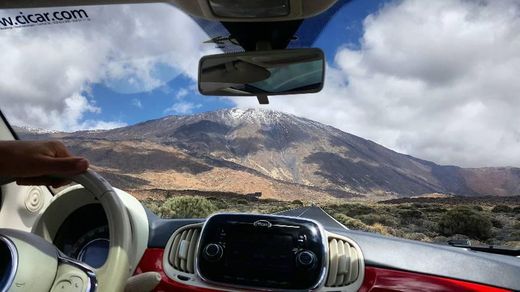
414,135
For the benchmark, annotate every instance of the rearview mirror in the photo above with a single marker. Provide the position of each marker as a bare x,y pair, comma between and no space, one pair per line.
262,73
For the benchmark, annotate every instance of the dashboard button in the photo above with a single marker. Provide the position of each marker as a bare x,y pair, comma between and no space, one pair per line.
306,259
213,252
302,239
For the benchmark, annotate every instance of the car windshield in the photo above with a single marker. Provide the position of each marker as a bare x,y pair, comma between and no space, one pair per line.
415,133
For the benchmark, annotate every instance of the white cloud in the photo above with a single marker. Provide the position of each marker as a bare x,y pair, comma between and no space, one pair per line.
434,79
137,103
182,93
69,117
182,108
47,71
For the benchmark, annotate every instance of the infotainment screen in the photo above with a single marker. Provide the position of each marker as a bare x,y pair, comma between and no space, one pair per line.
269,255
261,251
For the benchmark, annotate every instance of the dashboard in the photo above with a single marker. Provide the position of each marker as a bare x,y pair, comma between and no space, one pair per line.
298,250
245,251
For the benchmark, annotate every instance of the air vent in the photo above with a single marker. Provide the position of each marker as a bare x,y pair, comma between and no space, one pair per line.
183,249
346,266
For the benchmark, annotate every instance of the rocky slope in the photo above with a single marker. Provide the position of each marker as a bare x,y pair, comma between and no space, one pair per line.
280,155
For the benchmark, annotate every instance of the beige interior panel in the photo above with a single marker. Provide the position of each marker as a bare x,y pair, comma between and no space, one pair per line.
22,205
31,277
70,279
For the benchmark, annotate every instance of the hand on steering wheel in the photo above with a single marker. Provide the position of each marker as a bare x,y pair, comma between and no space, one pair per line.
39,162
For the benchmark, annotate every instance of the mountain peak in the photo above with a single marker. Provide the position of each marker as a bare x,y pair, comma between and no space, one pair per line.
233,117
252,115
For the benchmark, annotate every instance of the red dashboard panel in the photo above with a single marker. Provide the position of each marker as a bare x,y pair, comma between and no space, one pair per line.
384,280
376,279
152,262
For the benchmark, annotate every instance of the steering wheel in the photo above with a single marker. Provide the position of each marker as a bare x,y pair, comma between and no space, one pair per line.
37,265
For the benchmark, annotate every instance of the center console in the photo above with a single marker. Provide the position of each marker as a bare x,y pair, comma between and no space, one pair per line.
262,251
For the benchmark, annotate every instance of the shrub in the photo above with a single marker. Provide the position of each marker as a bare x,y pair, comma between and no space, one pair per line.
428,227
371,219
466,221
276,209
355,209
297,202
219,203
410,216
351,223
152,205
381,229
440,239
420,205
514,236
417,236
478,208
242,202
497,223
516,210
435,209
501,209
187,207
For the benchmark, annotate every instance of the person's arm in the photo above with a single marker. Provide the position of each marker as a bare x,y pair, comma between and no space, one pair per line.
31,162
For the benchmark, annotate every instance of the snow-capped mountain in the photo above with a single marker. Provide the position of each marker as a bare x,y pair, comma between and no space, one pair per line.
275,153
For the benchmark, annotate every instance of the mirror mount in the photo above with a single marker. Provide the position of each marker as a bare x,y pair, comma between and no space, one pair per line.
263,99
263,46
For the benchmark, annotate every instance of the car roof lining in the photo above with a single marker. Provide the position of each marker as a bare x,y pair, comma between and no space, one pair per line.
282,34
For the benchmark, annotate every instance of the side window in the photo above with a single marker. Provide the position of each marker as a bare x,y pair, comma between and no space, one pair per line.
5,130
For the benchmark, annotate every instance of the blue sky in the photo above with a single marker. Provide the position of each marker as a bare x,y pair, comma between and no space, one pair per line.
131,108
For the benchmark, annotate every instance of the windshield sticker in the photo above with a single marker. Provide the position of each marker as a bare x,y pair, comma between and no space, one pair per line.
43,18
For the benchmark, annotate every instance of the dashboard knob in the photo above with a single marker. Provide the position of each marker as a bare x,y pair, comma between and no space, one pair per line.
213,252
306,259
